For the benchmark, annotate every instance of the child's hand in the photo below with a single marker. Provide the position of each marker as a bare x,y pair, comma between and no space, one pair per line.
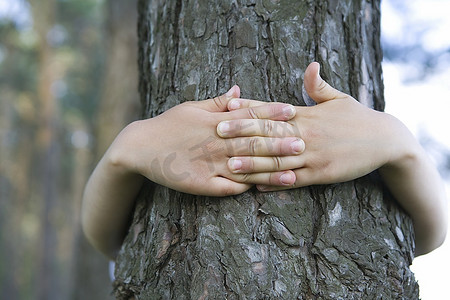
344,139
180,148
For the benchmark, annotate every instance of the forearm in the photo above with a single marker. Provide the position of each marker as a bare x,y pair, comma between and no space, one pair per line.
417,186
108,200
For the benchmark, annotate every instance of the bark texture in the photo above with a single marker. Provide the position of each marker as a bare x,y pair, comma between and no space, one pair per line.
343,241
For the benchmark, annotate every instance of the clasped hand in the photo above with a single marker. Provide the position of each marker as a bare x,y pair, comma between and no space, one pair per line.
223,146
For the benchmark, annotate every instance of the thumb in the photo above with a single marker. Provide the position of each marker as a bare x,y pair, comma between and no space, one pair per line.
317,88
220,103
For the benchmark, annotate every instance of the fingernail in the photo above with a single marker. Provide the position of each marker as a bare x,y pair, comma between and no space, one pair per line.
223,127
287,179
234,104
230,92
235,164
298,146
289,111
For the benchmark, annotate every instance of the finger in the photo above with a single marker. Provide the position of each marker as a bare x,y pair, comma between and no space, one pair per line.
264,146
220,103
285,179
221,186
272,111
251,127
235,104
304,177
257,164
317,88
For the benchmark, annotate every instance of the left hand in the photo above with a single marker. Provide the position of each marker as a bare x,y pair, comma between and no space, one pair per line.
180,148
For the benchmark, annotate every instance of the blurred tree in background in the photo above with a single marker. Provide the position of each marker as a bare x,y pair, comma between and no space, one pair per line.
60,61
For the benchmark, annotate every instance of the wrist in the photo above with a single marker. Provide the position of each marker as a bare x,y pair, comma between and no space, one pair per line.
403,149
123,153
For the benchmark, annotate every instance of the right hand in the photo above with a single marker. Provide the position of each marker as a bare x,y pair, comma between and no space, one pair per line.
344,139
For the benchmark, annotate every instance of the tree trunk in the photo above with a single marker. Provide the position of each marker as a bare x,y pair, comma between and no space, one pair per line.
341,241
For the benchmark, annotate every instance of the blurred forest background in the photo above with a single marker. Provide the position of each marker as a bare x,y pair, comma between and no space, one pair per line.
68,84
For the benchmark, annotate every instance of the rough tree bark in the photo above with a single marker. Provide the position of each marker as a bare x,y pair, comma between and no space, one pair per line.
341,241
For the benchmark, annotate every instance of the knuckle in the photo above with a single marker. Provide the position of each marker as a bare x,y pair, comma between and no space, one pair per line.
276,160
322,86
281,147
239,125
252,113
268,127
309,134
218,102
245,178
236,127
248,165
253,145
275,111
274,179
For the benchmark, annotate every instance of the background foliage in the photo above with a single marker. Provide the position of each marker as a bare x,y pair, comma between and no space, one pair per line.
55,61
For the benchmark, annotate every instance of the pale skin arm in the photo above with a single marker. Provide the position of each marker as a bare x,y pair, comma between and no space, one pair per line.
181,150
346,140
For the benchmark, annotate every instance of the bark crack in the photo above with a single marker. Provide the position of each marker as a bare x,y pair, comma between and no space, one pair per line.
353,90
176,38
269,55
316,33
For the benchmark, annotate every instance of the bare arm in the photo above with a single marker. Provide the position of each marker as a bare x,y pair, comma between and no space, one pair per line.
107,205
346,140
416,184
